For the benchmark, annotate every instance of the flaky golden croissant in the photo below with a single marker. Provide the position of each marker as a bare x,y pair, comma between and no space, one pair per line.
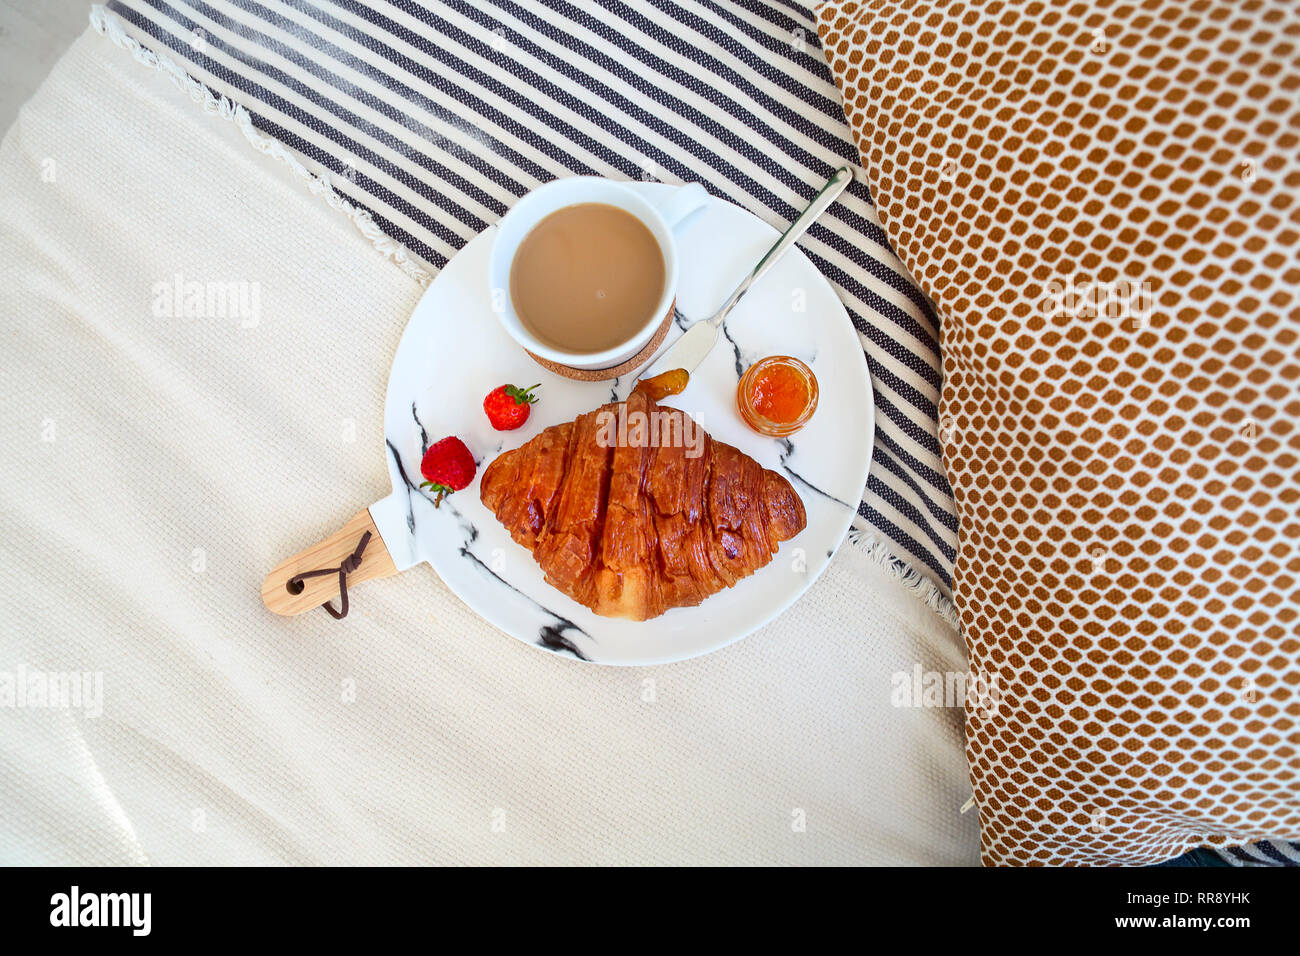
633,509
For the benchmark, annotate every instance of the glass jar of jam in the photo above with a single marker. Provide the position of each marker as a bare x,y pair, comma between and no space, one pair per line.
777,395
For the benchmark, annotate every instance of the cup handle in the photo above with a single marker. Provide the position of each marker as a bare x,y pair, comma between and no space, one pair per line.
682,204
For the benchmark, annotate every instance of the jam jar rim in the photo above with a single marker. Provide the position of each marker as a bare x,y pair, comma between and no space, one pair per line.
759,422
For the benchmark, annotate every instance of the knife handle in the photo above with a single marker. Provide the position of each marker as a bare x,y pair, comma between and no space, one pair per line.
838,182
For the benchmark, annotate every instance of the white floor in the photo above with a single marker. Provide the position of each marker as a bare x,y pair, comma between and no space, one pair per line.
33,35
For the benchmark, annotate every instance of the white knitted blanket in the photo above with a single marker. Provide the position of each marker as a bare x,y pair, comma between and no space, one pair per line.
157,465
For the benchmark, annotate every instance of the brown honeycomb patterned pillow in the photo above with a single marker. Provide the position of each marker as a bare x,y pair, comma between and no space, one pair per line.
1101,199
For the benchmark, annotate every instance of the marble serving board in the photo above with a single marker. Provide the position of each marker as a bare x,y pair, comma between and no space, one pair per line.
454,352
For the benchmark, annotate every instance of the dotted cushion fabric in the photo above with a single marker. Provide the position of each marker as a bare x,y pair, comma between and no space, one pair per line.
1101,200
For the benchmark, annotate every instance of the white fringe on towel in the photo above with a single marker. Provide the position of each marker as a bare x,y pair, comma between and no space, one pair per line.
913,580
107,25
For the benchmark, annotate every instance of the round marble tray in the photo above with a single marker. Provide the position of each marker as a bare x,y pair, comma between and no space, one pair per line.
454,352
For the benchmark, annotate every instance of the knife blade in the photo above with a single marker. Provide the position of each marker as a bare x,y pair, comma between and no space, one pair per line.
691,348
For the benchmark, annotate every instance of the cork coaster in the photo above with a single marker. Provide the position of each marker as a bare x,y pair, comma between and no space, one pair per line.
614,371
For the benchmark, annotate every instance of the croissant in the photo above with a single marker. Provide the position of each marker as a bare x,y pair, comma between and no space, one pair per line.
633,509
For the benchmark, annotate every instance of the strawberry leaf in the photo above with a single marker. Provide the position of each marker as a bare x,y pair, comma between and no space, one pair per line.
522,396
442,490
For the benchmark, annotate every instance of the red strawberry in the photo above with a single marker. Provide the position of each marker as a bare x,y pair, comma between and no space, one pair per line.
447,466
507,406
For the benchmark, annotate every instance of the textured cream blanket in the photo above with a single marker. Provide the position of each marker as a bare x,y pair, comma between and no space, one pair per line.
157,465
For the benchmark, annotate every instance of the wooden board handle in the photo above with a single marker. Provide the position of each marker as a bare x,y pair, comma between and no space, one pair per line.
376,562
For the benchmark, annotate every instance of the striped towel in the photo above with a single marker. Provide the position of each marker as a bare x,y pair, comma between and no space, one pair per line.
1263,853
431,119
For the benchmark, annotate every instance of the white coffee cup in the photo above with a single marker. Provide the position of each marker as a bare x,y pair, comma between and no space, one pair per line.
660,217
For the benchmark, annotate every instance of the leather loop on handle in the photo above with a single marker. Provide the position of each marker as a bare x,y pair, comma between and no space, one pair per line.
336,555
349,566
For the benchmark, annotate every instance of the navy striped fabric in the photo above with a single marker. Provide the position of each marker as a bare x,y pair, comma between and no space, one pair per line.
435,117
1263,853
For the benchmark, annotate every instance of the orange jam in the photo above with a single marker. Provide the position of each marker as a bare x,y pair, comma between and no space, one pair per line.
777,395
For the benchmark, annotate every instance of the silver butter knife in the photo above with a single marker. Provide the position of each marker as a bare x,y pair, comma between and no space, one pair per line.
689,350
